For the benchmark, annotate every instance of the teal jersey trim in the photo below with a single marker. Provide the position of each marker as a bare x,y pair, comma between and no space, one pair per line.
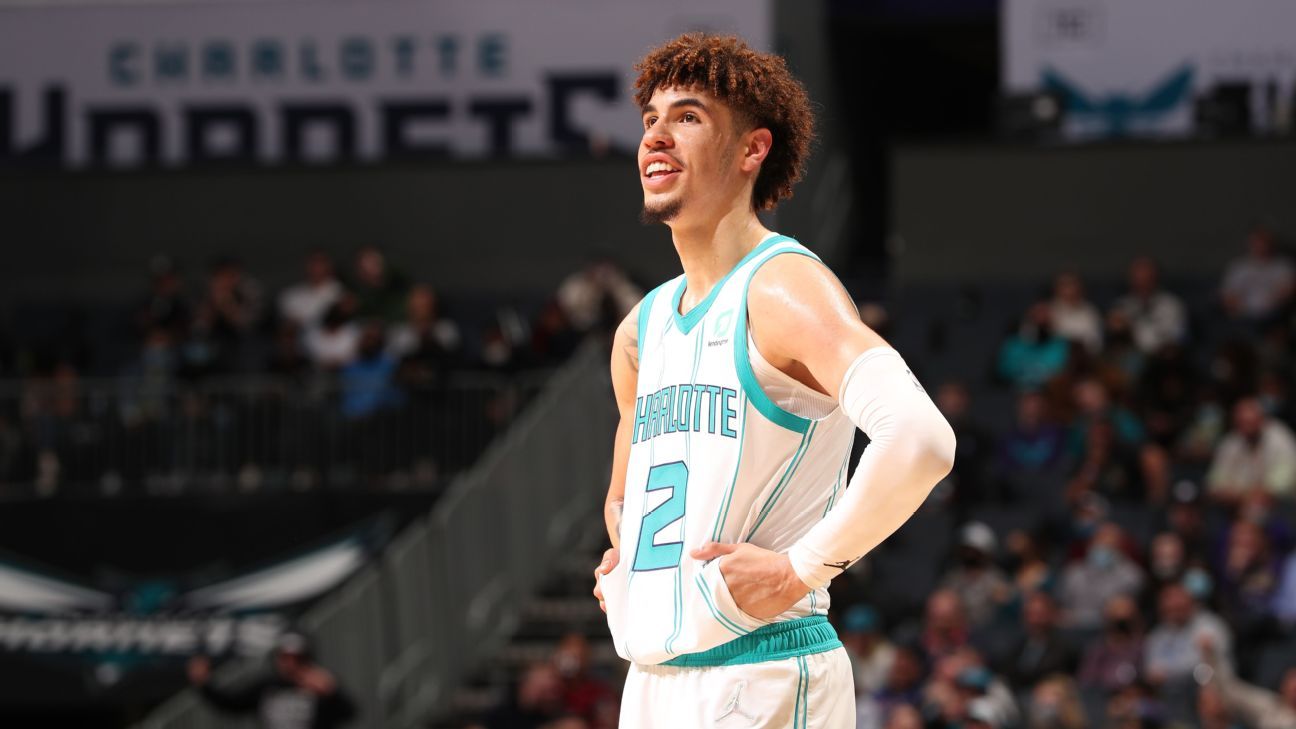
783,482
686,322
774,642
802,720
645,311
742,359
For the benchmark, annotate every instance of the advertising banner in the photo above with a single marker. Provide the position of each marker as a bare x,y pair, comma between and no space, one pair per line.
319,82
1136,68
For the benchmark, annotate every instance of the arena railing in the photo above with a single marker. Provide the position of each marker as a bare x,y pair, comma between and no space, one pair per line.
447,592
132,435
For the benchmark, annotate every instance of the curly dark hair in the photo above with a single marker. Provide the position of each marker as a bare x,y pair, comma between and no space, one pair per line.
757,86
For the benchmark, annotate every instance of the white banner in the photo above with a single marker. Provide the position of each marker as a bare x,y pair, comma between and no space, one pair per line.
322,81
1135,66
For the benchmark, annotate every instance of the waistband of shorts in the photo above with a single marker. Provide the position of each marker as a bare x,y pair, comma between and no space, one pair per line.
784,639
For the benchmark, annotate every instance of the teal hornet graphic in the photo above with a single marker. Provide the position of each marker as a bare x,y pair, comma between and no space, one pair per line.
1119,112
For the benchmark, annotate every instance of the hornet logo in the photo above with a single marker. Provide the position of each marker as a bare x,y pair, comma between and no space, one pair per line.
1118,114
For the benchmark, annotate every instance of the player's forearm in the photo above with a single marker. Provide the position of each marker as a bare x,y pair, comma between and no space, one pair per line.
911,449
612,518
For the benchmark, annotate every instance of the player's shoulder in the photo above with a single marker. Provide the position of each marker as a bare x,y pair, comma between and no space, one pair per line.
787,275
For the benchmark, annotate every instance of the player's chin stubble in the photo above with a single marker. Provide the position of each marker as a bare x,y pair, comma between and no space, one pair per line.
651,215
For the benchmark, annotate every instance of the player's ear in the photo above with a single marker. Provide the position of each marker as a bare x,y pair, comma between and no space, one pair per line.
756,146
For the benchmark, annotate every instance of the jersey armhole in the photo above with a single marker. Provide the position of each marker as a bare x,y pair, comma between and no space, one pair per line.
742,358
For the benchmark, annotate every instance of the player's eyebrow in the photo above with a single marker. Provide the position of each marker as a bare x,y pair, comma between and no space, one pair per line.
676,104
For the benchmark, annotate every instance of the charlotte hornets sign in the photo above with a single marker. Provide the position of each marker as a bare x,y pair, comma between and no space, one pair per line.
313,82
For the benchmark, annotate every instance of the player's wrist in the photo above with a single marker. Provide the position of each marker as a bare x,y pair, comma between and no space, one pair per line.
809,568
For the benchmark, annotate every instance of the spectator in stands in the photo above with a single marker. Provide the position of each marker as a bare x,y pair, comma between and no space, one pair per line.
945,628
972,455
333,345
1247,580
1073,316
1104,572
1203,428
1120,352
537,701
1094,405
1105,468
1275,396
426,342
871,654
599,295
1172,649
287,352
903,716
1042,648
584,695
1156,317
903,687
1252,705
1025,560
961,678
1259,453
368,383
1034,443
1055,704
166,307
305,303
1035,352
1167,564
228,316
1258,285
300,694
1165,392
553,338
379,290
981,586
1112,661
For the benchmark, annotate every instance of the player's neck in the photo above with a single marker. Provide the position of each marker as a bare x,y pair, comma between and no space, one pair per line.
709,249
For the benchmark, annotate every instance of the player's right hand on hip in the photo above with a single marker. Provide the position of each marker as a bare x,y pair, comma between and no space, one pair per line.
609,563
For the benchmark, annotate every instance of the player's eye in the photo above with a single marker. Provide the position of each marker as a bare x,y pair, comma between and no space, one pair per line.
649,121
690,117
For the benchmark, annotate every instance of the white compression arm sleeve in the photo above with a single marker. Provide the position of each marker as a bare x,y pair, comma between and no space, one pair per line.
911,448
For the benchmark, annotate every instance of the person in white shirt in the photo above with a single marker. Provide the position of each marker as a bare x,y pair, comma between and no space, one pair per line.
305,303
1156,316
1260,452
1173,648
1075,317
1259,284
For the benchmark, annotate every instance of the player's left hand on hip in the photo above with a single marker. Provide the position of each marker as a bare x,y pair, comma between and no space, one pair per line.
762,583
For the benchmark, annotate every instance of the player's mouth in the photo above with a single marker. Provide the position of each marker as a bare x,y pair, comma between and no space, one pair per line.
659,172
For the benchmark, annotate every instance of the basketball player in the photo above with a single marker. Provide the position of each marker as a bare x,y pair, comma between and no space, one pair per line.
740,385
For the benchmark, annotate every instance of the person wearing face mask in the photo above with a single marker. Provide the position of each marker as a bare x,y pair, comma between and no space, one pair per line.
1111,662
1102,574
979,582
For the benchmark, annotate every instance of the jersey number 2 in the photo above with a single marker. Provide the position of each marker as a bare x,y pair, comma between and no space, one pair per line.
650,555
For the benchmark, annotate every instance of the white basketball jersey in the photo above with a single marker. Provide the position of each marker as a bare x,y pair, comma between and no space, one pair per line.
712,457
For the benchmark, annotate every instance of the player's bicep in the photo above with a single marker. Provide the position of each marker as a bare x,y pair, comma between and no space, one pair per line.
800,312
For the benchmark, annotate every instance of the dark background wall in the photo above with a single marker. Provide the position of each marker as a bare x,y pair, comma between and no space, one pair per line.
493,228
981,213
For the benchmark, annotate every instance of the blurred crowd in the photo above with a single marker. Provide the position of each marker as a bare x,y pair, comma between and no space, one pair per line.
362,372
1124,547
